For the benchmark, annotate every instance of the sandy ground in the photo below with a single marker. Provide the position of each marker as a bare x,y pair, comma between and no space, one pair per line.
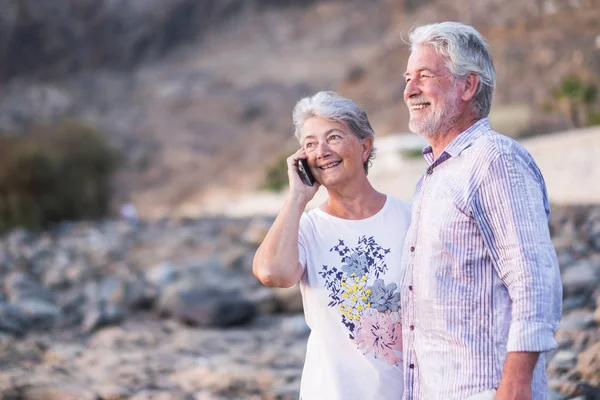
570,162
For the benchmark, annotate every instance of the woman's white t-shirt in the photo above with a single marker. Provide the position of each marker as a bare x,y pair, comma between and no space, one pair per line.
351,304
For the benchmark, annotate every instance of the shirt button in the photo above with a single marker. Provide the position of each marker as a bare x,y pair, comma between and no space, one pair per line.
412,248
429,171
412,327
411,366
410,287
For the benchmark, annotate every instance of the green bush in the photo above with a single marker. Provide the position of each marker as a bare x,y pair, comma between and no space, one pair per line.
411,153
276,177
594,118
578,99
55,173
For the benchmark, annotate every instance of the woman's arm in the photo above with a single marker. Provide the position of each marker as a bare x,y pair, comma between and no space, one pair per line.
276,262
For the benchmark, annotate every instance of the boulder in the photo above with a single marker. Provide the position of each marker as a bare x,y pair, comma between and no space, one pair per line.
58,391
212,308
13,320
588,364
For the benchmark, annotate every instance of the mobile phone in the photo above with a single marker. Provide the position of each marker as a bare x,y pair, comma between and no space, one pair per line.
305,175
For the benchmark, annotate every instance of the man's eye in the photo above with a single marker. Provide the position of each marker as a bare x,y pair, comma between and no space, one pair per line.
332,137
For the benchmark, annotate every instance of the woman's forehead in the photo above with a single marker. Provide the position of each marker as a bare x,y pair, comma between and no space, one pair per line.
317,126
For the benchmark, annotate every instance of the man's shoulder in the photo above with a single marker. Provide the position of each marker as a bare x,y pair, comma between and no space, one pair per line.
491,145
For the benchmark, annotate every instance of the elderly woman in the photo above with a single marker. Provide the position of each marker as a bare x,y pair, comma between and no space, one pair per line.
346,255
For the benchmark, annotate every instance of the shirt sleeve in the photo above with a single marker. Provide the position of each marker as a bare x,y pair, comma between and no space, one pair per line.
511,209
302,242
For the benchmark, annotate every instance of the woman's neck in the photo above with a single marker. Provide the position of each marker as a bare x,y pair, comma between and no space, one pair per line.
354,203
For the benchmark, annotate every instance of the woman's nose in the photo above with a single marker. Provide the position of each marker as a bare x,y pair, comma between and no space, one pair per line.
323,150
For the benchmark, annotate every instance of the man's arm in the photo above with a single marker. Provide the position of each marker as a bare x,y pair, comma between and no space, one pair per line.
517,376
510,208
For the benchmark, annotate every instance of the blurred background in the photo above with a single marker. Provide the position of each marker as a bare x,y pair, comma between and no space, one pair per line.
162,126
196,96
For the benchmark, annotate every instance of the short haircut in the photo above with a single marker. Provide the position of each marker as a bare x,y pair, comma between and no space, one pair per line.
331,106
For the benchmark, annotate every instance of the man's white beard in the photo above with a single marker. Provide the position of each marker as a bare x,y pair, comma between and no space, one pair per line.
437,123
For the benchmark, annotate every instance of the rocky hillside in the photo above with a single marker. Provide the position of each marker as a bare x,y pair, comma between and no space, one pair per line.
199,94
170,310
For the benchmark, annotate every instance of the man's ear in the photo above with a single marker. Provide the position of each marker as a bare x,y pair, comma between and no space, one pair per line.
471,85
367,146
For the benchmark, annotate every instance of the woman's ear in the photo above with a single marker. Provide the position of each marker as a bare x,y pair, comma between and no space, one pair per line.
367,146
471,85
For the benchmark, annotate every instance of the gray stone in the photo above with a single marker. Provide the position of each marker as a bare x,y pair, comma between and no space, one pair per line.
39,310
211,308
20,285
13,320
588,364
289,300
113,290
58,391
169,295
112,391
564,359
577,320
100,316
257,231
264,300
590,392
565,259
53,266
295,326
148,394
161,274
582,276
574,302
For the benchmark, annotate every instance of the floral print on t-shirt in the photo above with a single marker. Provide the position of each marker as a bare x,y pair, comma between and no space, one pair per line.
369,308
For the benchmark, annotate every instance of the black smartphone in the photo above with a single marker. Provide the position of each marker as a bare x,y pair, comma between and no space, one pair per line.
305,175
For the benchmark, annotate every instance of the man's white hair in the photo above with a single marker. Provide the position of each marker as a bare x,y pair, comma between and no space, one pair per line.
466,51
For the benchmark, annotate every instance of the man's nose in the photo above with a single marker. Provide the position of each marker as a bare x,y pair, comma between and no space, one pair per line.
411,89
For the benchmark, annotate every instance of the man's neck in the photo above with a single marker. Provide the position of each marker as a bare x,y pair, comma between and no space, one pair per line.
441,140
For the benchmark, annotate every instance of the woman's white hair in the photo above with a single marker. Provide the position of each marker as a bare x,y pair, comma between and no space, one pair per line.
331,106
466,52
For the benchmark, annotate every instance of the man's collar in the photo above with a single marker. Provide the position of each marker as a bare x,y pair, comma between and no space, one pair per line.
461,142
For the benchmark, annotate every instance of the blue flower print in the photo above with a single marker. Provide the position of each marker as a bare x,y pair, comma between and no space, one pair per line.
356,263
383,297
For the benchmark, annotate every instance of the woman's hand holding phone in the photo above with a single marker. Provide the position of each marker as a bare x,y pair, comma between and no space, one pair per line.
300,176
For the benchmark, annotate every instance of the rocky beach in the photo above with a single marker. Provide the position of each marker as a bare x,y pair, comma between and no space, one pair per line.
170,310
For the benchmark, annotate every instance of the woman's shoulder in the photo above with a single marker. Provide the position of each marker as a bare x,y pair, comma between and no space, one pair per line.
397,205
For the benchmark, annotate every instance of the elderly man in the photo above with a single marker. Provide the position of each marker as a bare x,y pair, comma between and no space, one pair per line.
481,290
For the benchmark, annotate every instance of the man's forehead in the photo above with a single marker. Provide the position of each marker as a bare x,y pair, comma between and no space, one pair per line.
425,57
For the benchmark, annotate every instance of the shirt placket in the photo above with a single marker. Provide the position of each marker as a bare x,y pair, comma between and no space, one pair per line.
412,370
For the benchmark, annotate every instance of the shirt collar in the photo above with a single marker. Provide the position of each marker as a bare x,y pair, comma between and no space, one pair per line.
459,143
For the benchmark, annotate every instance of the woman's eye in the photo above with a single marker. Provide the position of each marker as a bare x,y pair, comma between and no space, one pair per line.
333,137
308,145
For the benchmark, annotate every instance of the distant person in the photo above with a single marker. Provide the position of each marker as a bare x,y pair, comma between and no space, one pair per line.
481,291
128,212
346,255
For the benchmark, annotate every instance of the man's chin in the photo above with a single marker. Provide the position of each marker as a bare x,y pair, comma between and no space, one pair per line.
420,130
